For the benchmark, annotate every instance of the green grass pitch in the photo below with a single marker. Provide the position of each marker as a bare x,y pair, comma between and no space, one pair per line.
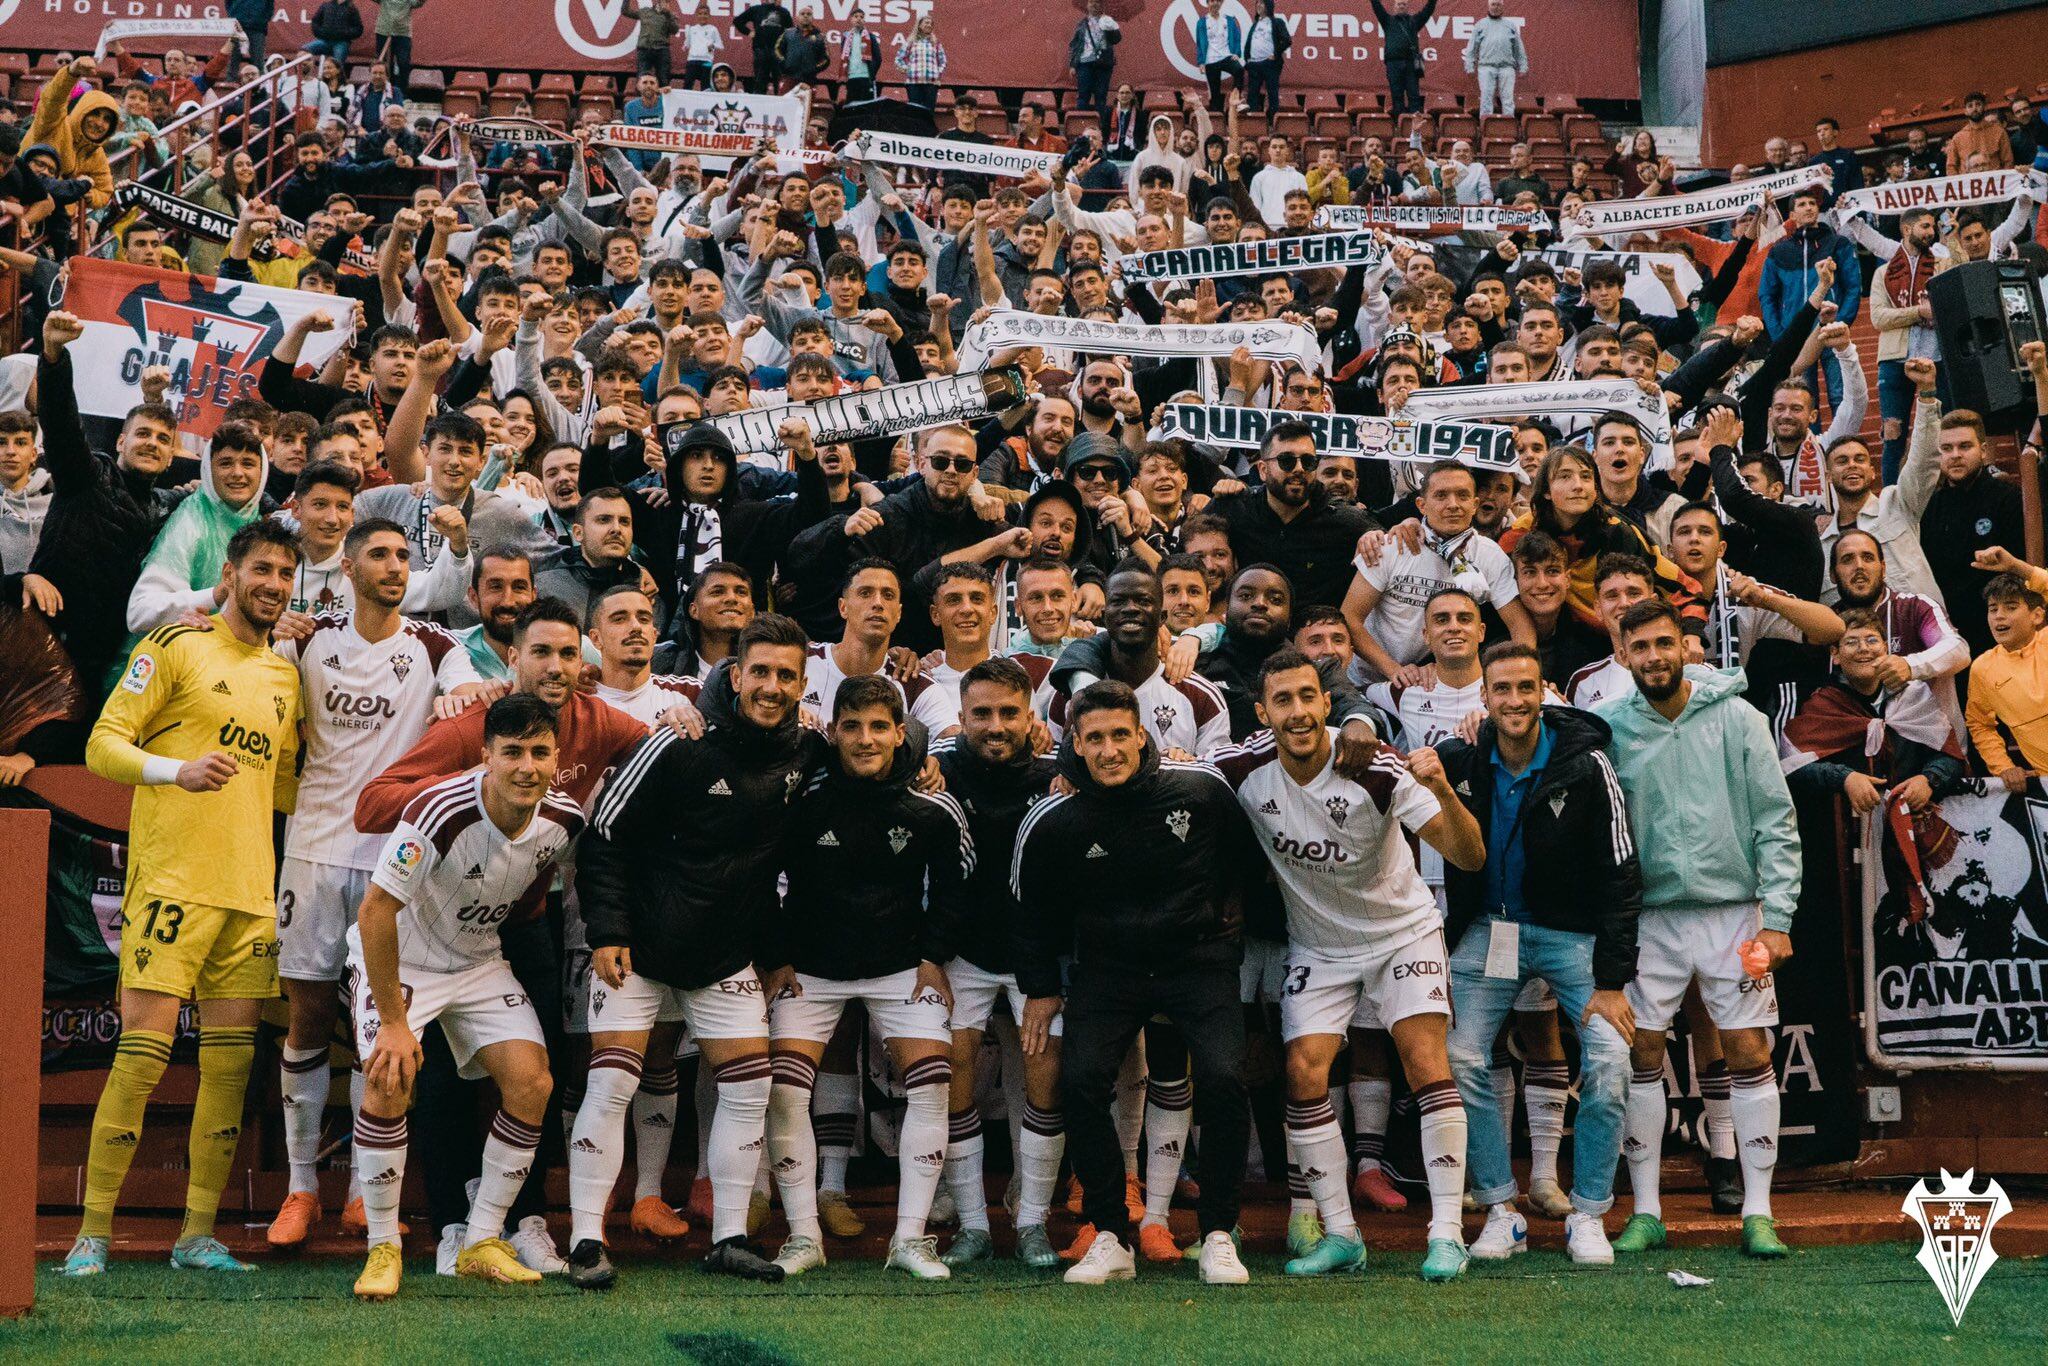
1847,1304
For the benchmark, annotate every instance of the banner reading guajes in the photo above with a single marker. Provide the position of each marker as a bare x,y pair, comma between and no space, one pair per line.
1479,445
214,335
1609,216
1944,192
1266,256
1431,217
1956,946
878,412
1271,341
973,158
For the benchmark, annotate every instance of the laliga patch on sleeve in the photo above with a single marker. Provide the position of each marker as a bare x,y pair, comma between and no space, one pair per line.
141,669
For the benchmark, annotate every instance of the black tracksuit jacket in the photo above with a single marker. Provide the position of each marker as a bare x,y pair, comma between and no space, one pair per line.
981,918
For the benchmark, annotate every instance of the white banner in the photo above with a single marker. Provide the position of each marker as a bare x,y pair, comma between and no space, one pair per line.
1480,445
1271,341
1639,283
642,138
974,158
525,132
1265,256
1453,217
1569,398
121,30
1944,192
779,118
1624,216
878,412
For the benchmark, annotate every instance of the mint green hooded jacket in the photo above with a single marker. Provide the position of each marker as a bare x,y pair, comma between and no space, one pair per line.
1707,800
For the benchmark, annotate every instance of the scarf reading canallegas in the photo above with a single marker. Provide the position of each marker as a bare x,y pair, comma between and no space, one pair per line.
1480,445
1265,256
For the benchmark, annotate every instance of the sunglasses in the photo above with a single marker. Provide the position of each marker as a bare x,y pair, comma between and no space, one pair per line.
959,464
1287,462
1090,473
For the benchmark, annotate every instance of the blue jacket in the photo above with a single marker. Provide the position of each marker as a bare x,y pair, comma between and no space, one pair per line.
1235,38
1788,275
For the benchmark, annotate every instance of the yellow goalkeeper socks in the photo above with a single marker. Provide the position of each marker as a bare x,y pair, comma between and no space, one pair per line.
225,1056
139,1060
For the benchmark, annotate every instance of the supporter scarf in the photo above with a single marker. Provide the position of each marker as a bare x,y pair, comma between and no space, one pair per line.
1440,217
196,220
879,412
121,30
703,142
1723,623
700,540
1944,192
1479,445
523,132
1625,216
971,158
1806,478
1271,341
1266,256
1505,402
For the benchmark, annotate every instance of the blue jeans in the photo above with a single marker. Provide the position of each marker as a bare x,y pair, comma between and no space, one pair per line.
1091,80
1895,396
1482,1003
1262,86
330,47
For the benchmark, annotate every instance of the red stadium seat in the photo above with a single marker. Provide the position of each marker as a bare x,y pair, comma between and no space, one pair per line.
512,89
462,103
1499,127
1330,123
1315,102
1457,126
1542,127
1290,125
1374,125
470,80
426,83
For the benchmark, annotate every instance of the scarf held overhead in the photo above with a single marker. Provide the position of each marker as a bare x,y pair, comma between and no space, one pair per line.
1480,445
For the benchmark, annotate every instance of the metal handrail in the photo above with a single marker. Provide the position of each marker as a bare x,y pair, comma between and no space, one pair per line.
207,108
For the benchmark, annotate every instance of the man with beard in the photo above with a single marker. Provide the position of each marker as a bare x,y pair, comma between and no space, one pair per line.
674,910
198,916
1024,463
1792,414
599,560
1365,944
500,587
1921,645
1558,899
991,771
1719,846
1890,513
1135,875
1290,521
1904,318
622,631
591,738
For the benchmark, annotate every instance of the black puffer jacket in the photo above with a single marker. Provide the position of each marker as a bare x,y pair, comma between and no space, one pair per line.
981,919
1145,876
861,854
1580,858
680,859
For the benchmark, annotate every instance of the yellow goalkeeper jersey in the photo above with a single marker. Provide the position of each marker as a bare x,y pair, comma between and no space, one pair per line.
186,693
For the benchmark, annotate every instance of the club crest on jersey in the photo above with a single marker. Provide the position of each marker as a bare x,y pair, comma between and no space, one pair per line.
1557,805
899,839
277,701
1339,809
401,666
1163,717
1178,823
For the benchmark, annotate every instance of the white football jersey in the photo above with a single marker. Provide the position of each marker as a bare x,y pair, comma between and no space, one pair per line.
822,677
938,704
647,702
1428,716
460,878
1338,848
1597,682
365,703
1190,715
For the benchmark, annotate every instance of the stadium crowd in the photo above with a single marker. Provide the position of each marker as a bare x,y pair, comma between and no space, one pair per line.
627,742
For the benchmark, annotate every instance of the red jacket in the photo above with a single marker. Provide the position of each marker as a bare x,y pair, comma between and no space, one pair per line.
591,739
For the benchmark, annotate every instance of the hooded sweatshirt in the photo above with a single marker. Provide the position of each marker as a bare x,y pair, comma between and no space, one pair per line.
183,567
21,521
1707,800
77,153
1151,155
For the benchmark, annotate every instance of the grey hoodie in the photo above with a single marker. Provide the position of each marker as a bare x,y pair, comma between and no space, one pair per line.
21,521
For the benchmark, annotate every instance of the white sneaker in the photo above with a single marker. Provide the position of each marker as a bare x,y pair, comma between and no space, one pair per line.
1219,1261
1585,1237
800,1254
1505,1234
1106,1259
450,1249
918,1256
536,1248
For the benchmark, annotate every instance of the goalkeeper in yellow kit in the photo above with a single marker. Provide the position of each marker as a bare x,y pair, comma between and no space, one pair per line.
204,725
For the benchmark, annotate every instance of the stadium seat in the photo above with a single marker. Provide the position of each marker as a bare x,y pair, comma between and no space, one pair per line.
596,84
1443,103
1330,123
1457,126
1049,98
359,74
1499,128
1290,125
989,99
1157,102
896,92
1315,102
462,103
426,83
1314,148
553,97
470,80
512,89
14,63
1542,128
1374,125
1494,151
1079,121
